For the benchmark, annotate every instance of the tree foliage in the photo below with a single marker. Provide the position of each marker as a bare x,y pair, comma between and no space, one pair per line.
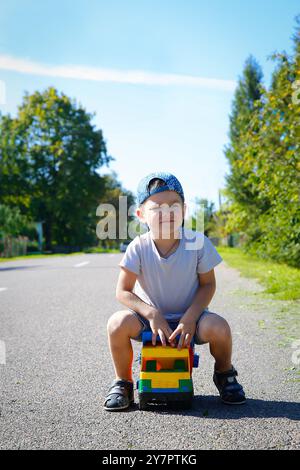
264,158
50,156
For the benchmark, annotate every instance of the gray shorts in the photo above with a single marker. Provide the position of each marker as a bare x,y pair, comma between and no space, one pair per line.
172,323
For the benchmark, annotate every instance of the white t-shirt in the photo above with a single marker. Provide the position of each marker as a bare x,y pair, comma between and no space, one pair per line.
170,284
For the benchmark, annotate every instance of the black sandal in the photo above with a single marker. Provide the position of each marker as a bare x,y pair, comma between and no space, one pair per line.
120,396
231,392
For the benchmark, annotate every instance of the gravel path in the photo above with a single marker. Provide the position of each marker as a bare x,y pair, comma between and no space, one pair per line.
53,314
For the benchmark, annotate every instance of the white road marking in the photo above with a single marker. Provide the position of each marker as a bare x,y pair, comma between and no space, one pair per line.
81,264
3,288
2,353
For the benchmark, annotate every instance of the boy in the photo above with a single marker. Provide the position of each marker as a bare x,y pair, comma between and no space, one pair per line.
167,286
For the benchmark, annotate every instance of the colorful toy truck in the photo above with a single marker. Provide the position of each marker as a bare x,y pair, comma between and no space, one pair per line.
166,374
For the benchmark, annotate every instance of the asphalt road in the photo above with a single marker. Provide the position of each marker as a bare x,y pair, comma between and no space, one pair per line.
53,314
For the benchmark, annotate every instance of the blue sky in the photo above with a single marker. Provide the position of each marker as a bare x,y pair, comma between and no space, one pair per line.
159,75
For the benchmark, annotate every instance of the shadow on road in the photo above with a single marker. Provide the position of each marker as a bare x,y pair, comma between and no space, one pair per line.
12,268
210,407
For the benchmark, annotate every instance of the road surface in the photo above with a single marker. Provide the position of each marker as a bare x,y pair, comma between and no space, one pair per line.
53,315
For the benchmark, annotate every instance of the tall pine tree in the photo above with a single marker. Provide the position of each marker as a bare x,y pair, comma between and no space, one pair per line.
264,157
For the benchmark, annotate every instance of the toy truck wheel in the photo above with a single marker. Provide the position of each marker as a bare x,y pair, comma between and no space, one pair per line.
142,403
196,361
188,404
181,404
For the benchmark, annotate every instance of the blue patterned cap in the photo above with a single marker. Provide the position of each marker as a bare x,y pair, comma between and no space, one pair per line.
172,184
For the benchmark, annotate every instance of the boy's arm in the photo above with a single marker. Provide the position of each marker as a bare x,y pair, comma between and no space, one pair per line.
203,296
125,295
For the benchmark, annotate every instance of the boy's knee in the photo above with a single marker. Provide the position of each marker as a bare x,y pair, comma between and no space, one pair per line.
216,326
119,322
221,327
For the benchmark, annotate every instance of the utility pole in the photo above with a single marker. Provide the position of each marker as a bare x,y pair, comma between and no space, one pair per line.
39,229
220,200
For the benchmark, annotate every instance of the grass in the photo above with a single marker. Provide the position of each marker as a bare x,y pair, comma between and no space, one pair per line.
281,283
280,280
44,255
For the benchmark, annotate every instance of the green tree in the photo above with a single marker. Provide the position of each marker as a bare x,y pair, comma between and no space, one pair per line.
278,170
113,190
244,106
13,223
264,160
203,216
50,155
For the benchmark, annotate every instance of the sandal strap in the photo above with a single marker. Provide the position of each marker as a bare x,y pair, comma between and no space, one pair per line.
119,387
116,391
229,373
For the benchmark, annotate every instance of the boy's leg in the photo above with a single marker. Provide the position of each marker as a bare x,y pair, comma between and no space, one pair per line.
122,326
215,330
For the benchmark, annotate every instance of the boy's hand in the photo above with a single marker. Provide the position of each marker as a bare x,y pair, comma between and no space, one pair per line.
160,326
186,328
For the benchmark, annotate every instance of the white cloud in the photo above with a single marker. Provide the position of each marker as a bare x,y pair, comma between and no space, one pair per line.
110,75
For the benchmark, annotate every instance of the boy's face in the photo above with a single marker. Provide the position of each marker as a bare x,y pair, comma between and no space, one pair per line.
163,213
